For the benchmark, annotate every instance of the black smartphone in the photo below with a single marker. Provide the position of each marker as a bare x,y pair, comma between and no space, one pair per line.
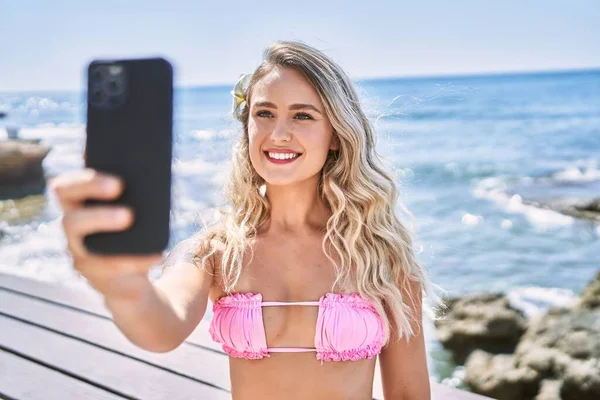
129,134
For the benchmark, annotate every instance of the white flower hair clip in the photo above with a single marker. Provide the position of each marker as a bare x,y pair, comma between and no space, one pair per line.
239,93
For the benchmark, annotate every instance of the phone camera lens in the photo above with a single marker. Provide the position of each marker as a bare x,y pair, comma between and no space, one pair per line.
98,74
113,85
97,97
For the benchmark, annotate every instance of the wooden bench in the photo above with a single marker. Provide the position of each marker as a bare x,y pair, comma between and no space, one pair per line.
59,342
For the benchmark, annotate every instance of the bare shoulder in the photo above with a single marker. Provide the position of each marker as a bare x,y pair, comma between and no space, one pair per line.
217,248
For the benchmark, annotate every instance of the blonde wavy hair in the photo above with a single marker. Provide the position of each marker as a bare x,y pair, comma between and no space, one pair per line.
374,248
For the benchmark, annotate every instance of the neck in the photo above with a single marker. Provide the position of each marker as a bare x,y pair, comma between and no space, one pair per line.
296,209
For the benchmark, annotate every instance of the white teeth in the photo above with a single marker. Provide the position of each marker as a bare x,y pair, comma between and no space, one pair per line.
283,156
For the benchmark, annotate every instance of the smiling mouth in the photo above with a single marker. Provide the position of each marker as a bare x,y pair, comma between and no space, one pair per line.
266,153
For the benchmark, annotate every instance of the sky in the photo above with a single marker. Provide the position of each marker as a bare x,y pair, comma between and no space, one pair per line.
46,45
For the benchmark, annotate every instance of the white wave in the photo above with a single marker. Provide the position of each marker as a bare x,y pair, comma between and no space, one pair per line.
470,219
186,209
52,132
506,224
194,167
570,171
37,104
493,189
576,174
457,377
534,301
39,253
222,174
202,134
492,183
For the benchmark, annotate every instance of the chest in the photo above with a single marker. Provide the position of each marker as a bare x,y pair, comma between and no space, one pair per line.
287,269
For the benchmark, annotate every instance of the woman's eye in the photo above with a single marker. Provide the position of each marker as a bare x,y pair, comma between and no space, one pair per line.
300,116
264,114
303,116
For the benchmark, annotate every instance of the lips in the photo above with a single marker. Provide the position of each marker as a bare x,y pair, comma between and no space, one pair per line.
284,160
284,151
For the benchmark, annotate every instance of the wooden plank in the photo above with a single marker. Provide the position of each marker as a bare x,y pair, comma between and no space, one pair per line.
445,392
74,296
23,379
122,375
187,360
88,300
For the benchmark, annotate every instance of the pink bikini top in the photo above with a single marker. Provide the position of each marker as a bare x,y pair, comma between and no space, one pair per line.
348,327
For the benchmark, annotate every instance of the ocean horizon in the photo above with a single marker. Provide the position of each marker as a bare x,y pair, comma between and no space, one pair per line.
465,75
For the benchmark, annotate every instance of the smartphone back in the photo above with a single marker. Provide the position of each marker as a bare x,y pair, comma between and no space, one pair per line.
129,134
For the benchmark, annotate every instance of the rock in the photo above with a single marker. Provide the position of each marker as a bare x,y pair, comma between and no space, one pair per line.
496,376
21,171
575,334
12,132
21,210
592,206
583,209
582,381
563,346
480,321
558,357
547,362
549,390
590,298
574,207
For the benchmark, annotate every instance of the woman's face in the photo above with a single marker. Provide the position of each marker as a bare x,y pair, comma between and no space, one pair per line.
287,115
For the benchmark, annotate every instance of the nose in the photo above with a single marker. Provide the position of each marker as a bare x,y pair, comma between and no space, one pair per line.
281,131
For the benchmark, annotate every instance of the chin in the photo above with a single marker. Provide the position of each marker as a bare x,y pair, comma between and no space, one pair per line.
281,182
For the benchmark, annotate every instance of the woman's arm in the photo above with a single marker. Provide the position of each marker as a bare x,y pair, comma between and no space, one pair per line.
166,312
404,372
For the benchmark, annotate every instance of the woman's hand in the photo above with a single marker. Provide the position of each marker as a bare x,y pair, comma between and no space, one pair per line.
123,276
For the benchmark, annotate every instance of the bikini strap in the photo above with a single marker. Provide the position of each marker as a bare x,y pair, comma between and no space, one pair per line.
291,303
289,350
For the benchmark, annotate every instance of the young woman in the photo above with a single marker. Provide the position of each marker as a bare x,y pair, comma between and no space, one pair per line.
310,272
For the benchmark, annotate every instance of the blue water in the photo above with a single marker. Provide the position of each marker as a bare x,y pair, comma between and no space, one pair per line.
467,152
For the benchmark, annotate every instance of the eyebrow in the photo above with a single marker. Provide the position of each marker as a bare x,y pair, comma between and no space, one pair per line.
268,104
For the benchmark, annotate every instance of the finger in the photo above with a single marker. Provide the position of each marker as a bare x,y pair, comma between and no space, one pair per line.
84,221
74,187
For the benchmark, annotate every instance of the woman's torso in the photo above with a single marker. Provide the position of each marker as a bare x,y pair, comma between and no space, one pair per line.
292,269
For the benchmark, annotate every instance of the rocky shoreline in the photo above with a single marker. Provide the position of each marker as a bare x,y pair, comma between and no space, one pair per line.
554,356
582,209
21,170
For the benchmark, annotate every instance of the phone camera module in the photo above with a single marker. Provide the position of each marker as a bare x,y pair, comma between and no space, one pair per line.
107,86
